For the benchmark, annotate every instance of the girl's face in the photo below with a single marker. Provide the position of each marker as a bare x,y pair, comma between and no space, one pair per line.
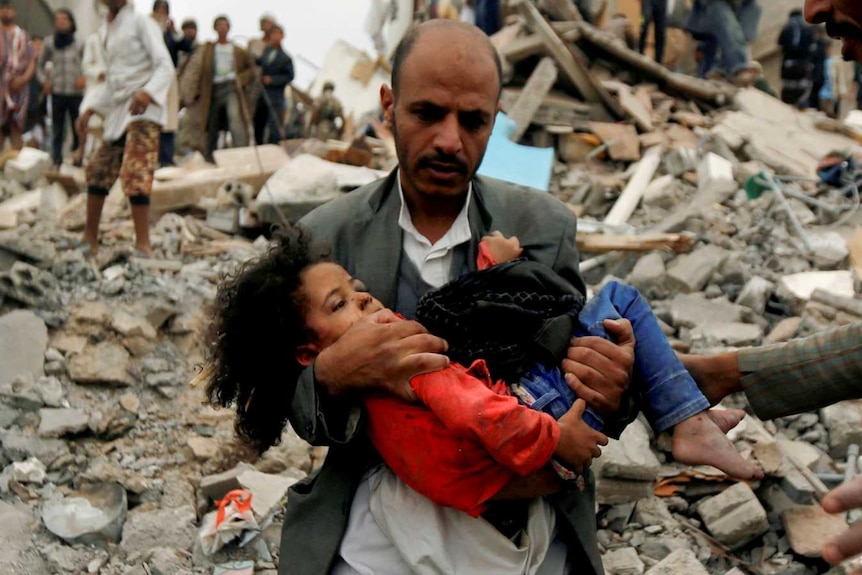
334,301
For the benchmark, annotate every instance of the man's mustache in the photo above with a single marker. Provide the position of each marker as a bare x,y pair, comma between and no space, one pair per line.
843,30
437,160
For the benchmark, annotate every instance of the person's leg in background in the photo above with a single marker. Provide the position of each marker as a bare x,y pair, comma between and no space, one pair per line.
237,123
167,146
140,160
275,107
660,26
59,107
261,119
217,106
101,173
730,39
646,19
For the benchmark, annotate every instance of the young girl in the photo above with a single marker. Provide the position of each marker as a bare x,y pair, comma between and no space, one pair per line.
469,436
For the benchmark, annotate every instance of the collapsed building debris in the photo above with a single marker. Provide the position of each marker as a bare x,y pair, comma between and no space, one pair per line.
103,443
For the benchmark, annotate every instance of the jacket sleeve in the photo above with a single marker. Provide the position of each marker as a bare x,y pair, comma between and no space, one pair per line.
245,67
285,75
521,439
804,374
319,419
190,79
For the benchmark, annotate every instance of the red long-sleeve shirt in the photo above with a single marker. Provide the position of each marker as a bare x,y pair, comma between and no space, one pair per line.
466,440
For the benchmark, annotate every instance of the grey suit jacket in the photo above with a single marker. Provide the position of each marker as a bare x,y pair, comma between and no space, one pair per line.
363,233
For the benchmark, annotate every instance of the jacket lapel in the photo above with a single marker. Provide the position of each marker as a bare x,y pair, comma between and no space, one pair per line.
481,222
379,255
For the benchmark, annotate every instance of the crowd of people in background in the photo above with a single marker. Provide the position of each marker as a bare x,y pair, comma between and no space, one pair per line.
223,93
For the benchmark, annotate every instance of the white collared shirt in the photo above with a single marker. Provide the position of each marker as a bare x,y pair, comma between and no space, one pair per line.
434,262
135,59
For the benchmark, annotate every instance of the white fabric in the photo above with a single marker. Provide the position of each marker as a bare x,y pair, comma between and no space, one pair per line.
450,541
434,262
434,539
136,59
225,64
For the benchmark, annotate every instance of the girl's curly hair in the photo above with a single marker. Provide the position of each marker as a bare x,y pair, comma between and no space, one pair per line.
257,324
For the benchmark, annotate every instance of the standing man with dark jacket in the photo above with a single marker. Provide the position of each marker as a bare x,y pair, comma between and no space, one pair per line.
276,69
60,70
797,46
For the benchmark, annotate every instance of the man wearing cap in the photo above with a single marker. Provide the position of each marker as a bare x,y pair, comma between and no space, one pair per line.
133,101
63,78
327,117
276,69
17,68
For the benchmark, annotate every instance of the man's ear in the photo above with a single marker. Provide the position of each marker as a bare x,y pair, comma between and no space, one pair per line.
306,354
387,103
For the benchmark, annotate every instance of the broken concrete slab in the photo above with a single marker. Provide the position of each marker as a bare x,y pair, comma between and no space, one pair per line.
31,286
61,422
611,491
691,272
785,330
755,294
728,334
30,471
654,511
624,561
203,448
692,310
799,287
28,166
630,457
305,183
715,176
19,555
735,516
842,420
621,140
19,447
93,515
680,562
23,341
104,363
810,528
130,325
173,528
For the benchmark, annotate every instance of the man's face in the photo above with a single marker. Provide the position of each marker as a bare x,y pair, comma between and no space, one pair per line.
334,301
7,14
843,19
222,28
62,23
276,36
444,113
266,25
190,32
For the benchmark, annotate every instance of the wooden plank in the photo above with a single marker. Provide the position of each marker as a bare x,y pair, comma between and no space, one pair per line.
540,83
601,243
854,245
634,191
532,44
569,59
631,104
561,10
621,139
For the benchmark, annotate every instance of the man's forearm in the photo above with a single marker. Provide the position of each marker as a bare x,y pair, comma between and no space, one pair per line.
539,484
717,376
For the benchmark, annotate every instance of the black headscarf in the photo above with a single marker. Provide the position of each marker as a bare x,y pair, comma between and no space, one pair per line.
65,39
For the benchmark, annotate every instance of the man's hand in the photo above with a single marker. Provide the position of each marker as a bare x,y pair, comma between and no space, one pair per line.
267,80
598,370
140,102
502,248
579,443
83,122
380,353
17,84
849,543
80,83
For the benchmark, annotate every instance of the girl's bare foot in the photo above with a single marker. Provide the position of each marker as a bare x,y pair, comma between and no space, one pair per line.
700,440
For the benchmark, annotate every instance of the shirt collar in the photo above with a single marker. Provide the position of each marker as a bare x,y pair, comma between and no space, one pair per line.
456,235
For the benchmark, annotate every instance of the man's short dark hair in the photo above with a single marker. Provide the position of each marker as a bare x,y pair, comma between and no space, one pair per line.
219,18
189,24
161,4
277,27
406,46
796,12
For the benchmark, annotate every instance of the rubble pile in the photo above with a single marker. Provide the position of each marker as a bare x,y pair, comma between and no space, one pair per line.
111,463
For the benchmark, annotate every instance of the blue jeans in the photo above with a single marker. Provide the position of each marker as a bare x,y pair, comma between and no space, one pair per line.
715,23
670,394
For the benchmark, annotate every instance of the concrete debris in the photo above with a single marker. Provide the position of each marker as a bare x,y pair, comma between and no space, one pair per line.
810,528
665,173
93,515
735,516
